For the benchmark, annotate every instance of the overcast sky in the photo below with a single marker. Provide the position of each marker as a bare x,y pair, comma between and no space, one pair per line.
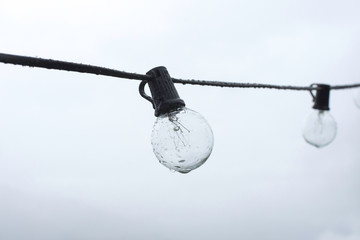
75,155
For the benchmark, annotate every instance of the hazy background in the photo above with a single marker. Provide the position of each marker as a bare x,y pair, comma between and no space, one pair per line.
75,154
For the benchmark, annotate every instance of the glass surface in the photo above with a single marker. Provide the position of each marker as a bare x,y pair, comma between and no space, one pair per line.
182,140
320,128
357,98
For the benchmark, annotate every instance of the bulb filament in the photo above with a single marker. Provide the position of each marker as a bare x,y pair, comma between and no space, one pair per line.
178,129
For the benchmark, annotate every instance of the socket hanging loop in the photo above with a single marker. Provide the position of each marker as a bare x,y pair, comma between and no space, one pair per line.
143,94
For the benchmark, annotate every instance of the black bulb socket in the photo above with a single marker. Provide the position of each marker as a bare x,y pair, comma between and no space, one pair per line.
164,95
321,99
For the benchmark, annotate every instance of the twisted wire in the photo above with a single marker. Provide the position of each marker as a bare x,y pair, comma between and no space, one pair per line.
83,68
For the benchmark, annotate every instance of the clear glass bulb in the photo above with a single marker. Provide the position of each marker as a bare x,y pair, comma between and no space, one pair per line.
357,98
320,128
182,140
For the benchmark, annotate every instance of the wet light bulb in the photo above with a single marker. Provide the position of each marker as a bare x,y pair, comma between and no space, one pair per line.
320,128
182,140
357,98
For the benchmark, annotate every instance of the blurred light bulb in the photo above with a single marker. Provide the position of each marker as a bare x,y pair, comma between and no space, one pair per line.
182,140
320,128
357,98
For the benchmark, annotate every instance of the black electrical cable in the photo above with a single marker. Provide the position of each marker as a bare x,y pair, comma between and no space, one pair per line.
83,68
68,66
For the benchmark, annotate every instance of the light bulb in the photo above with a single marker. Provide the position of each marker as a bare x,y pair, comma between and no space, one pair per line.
357,98
320,127
182,140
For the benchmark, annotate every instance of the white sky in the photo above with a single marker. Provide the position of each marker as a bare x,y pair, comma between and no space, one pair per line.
75,154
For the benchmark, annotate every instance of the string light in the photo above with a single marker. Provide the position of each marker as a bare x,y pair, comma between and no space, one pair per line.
182,139
320,128
357,98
